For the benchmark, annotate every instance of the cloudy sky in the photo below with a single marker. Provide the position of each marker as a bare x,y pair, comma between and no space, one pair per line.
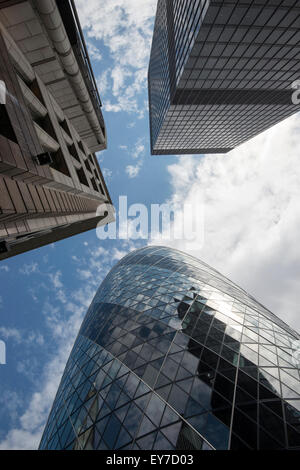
245,206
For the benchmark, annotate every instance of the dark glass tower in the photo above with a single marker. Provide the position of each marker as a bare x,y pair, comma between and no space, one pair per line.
221,72
172,355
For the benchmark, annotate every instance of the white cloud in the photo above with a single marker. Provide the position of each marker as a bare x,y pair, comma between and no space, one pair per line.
119,75
11,402
121,25
36,337
55,279
27,367
252,214
108,174
133,170
118,254
21,336
107,257
4,268
29,268
11,333
137,153
61,296
84,274
46,259
99,251
94,52
139,149
103,82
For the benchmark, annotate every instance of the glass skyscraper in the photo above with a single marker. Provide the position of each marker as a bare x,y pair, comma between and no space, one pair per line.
221,72
173,355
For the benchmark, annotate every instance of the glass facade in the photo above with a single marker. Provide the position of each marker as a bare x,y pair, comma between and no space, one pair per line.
221,72
173,355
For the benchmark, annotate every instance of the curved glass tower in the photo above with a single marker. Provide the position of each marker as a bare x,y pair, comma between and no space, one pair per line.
172,355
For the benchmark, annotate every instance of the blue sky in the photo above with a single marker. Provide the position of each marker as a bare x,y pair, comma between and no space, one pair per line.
250,200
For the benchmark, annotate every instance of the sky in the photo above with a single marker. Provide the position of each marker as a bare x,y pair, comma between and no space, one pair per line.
244,205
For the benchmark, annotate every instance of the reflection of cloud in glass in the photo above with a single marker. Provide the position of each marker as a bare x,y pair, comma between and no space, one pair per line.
296,353
2,92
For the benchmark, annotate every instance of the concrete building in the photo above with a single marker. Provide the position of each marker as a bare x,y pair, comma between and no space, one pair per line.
221,72
51,125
